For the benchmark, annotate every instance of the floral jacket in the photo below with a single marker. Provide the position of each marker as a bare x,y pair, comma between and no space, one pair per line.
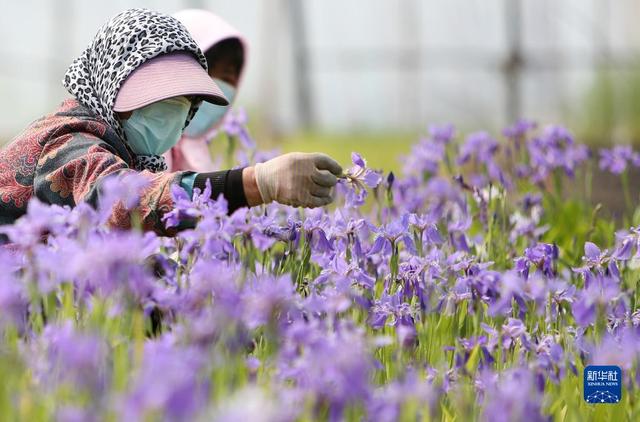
62,158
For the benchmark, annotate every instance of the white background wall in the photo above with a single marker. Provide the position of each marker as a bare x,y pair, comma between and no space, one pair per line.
374,64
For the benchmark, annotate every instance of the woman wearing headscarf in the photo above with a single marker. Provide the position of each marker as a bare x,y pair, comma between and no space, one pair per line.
135,88
226,51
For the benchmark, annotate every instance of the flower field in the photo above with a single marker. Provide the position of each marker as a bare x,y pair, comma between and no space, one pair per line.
475,285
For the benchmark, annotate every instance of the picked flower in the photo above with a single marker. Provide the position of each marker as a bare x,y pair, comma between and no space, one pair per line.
357,179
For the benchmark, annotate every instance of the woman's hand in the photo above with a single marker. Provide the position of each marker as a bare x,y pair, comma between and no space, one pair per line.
299,179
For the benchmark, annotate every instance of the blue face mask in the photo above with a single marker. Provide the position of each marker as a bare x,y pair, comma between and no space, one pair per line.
154,129
209,114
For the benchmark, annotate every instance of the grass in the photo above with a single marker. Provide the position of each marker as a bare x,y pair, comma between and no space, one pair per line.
382,150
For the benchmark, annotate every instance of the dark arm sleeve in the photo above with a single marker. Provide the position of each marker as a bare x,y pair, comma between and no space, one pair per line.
228,183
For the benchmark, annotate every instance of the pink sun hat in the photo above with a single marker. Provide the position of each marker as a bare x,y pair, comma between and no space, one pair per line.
166,76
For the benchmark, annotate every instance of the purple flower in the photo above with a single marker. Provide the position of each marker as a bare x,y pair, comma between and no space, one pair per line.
597,262
66,357
76,414
124,189
550,355
391,310
357,179
442,134
425,157
511,285
332,367
168,383
615,159
519,130
542,255
37,224
426,227
268,299
235,124
338,267
444,194
511,395
479,146
622,349
514,330
389,235
387,402
114,263
600,293
14,299
196,208
555,149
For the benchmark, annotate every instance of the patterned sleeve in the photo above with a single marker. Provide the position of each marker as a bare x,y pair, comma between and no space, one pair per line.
72,167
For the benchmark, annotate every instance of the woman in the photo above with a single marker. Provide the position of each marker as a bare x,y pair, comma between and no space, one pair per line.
135,88
226,52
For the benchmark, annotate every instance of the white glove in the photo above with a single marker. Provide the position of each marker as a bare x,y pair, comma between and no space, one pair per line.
299,179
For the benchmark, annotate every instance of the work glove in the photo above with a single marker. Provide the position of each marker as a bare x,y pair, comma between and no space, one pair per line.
299,179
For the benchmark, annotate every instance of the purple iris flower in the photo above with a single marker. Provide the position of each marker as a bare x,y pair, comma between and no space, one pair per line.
468,344
479,146
597,262
621,348
519,130
391,310
555,149
457,232
512,331
425,158
114,263
65,356
543,256
442,192
168,383
339,267
194,209
14,302
315,226
357,179
426,226
626,243
125,188
550,355
451,300
235,124
443,134
418,277
268,299
330,301
512,395
37,224
600,293
389,235
615,160
387,402
332,367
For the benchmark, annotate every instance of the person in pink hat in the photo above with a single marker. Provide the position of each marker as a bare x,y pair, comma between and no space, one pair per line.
226,51
134,90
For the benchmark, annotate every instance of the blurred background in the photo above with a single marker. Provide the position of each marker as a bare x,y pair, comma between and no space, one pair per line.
370,75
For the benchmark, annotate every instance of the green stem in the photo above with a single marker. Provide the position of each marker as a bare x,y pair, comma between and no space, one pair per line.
628,205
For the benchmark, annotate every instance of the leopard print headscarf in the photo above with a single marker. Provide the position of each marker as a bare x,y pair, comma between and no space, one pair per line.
125,42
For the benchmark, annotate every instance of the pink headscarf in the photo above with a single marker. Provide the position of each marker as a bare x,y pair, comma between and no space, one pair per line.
207,29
